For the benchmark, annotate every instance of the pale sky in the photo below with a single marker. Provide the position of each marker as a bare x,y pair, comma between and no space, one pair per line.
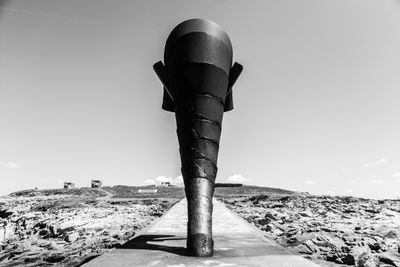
316,108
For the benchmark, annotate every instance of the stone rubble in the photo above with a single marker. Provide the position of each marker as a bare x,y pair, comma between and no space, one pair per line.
336,231
65,230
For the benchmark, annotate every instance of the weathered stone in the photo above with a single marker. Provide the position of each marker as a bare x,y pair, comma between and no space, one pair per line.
263,221
389,259
311,245
303,249
373,211
269,215
327,229
275,205
44,232
54,258
364,258
344,226
386,231
5,213
306,213
348,259
53,230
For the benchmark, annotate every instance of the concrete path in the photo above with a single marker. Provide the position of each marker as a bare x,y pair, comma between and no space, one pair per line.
236,243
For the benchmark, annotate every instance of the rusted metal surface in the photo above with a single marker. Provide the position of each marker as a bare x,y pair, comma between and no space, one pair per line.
198,77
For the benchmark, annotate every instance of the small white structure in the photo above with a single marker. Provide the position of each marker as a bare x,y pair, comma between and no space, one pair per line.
151,191
68,185
96,184
165,183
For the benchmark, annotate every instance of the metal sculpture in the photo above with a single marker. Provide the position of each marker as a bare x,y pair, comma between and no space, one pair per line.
198,77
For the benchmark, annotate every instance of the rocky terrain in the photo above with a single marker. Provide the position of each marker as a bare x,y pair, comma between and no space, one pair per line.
69,227
332,231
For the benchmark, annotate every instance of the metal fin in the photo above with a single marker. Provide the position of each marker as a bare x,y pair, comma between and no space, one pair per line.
233,76
168,100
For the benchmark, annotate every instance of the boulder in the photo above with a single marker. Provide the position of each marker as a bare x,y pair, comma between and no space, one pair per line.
364,258
385,231
348,259
262,221
5,213
71,236
389,259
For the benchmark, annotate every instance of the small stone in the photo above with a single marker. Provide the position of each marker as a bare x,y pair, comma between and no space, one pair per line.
327,229
54,258
53,230
44,232
333,257
306,213
71,237
5,213
269,215
374,246
311,245
276,205
32,259
303,249
348,259
386,231
373,211
263,221
364,258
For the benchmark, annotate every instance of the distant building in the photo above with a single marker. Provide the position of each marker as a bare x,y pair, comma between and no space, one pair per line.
165,184
151,191
68,185
96,184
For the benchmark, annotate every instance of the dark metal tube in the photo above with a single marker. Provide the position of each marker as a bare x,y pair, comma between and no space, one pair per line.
197,83
199,128
199,232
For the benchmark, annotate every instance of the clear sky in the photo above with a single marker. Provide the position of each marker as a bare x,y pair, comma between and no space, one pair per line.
316,108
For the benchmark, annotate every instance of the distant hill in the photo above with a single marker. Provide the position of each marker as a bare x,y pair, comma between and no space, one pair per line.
83,192
172,192
249,190
125,191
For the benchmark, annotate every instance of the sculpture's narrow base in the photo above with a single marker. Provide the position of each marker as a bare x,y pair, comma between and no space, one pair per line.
236,243
199,231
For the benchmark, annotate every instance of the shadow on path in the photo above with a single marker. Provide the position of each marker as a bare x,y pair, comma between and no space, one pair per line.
155,242
87,260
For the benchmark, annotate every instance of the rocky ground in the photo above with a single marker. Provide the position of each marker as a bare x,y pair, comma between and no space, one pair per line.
70,227
333,231
67,230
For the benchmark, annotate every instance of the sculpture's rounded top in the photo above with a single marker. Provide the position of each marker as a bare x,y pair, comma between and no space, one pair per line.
198,25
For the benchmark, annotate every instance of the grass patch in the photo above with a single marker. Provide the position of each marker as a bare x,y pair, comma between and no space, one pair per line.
58,204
